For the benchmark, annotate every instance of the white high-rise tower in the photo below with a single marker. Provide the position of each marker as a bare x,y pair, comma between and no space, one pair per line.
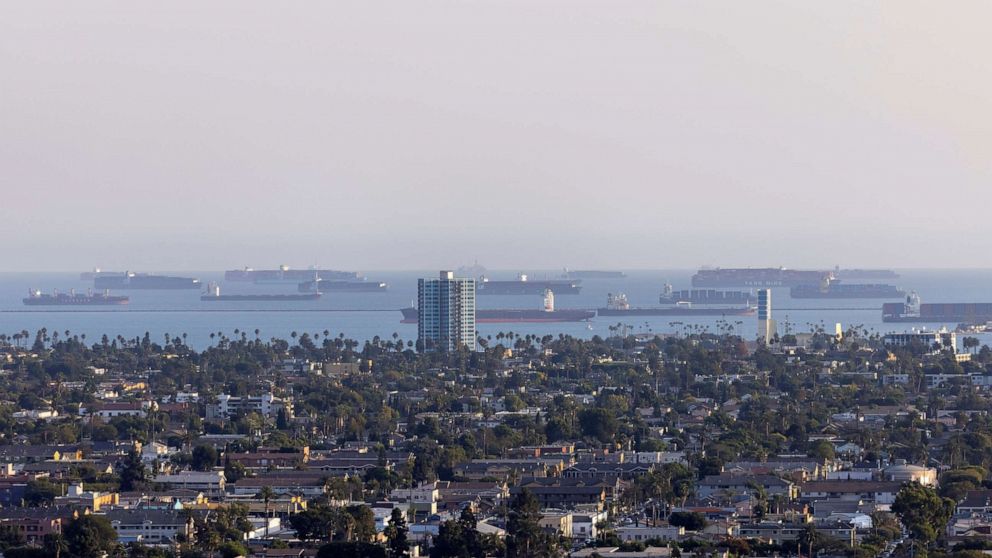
446,312
766,325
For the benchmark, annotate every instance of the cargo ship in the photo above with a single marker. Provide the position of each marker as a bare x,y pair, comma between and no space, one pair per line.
91,275
128,280
523,286
505,315
213,295
837,289
617,305
864,273
37,298
323,286
757,277
913,311
592,274
706,296
473,271
287,275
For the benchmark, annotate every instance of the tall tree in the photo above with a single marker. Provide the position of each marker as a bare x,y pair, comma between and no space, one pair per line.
460,539
598,423
55,545
133,472
203,458
396,534
524,536
922,511
88,536
266,494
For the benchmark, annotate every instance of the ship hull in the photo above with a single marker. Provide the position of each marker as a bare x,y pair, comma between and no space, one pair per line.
76,301
676,312
502,316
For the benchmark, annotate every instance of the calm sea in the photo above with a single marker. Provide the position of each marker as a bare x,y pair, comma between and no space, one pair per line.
365,315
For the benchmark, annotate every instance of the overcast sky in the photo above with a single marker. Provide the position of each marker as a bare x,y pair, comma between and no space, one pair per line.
522,134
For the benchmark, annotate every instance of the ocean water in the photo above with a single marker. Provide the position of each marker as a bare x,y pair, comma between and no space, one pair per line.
363,316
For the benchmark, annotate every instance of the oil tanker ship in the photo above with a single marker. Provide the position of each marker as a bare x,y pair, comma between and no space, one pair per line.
129,280
524,286
324,286
837,289
213,295
287,275
37,298
705,296
757,277
617,305
913,311
506,315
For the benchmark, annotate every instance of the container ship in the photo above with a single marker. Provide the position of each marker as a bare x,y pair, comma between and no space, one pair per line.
864,273
323,286
523,286
287,275
617,305
213,295
504,315
837,289
706,296
474,270
91,275
592,274
913,311
757,277
128,280
37,298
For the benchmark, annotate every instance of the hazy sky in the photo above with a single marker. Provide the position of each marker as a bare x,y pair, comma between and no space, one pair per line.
522,133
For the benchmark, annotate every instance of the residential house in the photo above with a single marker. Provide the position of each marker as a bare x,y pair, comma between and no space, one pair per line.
607,471
725,485
632,533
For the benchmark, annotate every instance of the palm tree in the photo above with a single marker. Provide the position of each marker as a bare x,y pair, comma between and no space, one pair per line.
266,494
55,545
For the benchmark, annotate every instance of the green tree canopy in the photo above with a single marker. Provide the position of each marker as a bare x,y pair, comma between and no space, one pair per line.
524,536
922,511
88,536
